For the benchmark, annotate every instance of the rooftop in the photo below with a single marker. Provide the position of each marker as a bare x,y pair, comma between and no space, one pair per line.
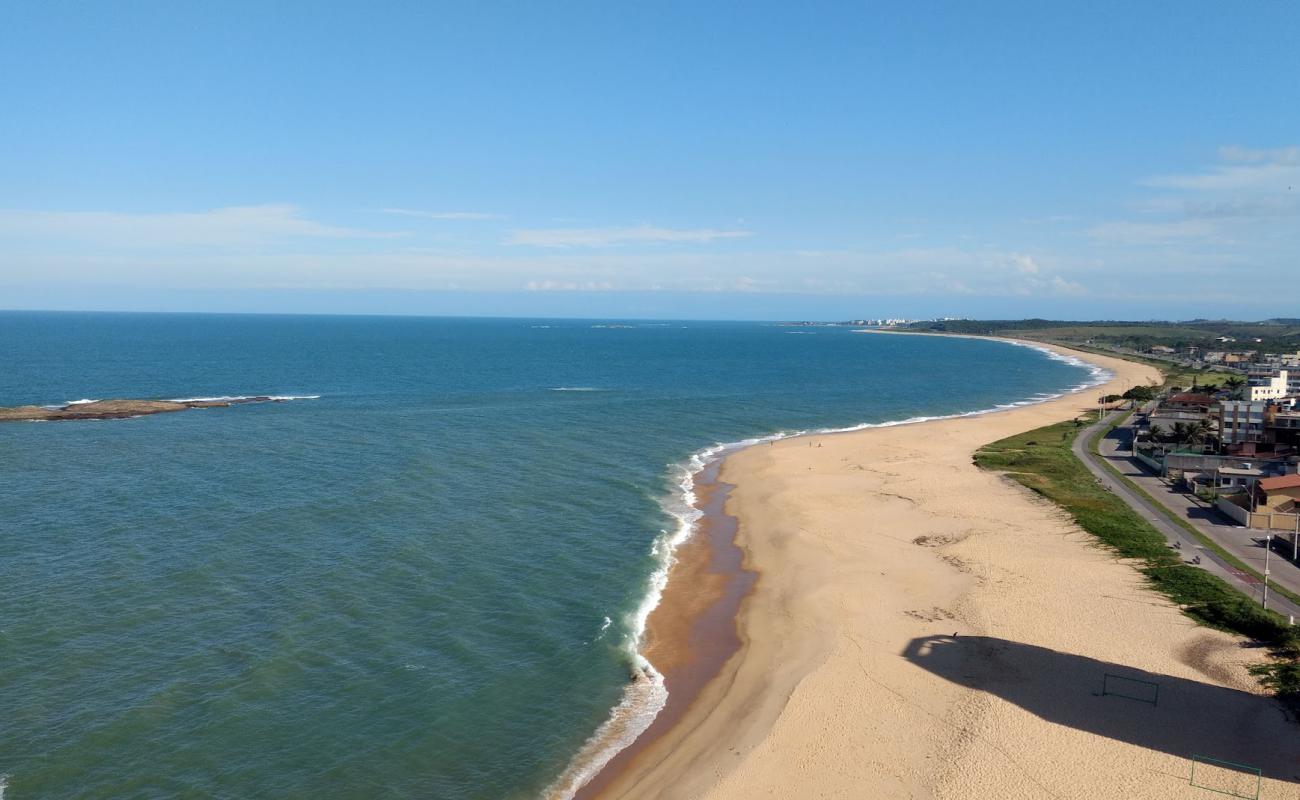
1280,482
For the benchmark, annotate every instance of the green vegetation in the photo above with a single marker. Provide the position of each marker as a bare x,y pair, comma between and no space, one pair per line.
1042,461
1275,335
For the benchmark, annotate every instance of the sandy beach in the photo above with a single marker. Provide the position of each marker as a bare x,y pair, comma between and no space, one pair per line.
920,628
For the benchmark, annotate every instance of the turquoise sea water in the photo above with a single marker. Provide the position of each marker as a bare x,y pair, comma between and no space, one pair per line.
425,582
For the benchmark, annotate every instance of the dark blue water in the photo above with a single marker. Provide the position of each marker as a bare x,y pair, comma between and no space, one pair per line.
424,583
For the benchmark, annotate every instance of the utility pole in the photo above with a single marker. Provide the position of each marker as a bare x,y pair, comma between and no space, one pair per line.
1268,548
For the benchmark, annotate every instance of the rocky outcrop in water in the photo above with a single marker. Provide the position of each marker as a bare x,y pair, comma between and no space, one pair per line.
121,409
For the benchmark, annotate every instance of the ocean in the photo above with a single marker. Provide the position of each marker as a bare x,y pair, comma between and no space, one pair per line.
423,577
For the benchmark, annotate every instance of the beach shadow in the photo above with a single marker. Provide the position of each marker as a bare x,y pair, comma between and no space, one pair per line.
1177,716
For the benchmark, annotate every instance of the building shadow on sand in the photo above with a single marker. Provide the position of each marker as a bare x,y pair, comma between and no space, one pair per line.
1173,715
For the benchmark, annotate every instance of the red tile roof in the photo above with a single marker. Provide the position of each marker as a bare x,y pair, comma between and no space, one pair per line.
1280,482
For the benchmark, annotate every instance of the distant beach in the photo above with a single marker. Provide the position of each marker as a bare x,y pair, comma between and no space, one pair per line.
921,628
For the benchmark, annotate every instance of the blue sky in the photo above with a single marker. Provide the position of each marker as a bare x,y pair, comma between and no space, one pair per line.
724,160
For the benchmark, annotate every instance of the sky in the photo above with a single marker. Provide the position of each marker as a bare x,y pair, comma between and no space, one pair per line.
653,159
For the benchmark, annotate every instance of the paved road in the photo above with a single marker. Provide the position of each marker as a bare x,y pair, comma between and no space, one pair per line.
1232,537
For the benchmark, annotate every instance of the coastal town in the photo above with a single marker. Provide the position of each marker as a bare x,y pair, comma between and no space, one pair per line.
1229,438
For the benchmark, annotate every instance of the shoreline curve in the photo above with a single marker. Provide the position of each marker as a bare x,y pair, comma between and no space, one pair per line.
877,546
683,615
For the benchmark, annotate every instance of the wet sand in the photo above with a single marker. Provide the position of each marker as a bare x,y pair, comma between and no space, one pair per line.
872,551
692,633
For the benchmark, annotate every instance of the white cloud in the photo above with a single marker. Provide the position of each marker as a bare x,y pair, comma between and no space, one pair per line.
829,272
1243,170
240,225
1140,233
1277,155
1250,195
605,237
1060,285
440,215
569,286
1024,263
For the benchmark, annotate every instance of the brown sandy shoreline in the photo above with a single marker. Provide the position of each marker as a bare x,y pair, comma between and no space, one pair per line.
692,633
845,681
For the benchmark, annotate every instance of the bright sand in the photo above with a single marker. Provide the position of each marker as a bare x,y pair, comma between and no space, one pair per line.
873,548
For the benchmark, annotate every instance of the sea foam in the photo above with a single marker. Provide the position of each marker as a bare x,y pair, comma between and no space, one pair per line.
231,398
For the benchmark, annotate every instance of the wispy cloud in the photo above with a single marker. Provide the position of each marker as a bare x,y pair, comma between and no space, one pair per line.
239,225
985,272
1248,194
606,237
1241,168
1139,233
569,286
441,215
1276,155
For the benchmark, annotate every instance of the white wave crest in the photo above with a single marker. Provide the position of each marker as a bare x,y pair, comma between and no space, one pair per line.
641,703
231,398
577,389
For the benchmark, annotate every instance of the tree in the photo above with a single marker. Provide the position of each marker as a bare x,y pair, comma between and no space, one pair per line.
1186,434
1140,393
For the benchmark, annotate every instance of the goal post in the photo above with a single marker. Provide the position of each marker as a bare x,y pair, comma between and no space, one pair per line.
1132,688
1226,777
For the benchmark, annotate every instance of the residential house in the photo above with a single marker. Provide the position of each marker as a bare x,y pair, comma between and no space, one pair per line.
1227,473
1188,401
1280,495
1282,424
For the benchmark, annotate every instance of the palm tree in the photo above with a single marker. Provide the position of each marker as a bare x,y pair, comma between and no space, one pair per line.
1234,385
1201,431
1187,434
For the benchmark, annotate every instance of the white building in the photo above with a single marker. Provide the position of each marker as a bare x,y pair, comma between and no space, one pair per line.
1268,384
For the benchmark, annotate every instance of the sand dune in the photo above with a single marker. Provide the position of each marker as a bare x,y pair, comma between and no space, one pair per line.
874,549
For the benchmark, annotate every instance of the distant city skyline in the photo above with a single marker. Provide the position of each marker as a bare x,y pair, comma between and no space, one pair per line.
675,161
